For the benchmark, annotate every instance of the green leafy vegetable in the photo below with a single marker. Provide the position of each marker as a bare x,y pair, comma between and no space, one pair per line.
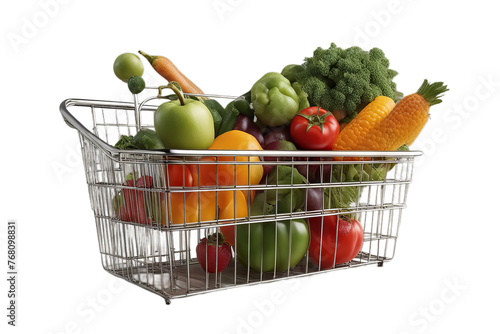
344,197
344,79
145,139
216,110
243,107
125,143
229,116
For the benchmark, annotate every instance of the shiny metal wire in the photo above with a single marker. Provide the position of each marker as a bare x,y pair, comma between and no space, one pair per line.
159,255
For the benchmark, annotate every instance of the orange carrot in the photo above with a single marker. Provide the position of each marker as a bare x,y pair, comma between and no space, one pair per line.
169,71
374,131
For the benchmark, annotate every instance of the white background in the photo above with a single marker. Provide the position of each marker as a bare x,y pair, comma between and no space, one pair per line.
443,278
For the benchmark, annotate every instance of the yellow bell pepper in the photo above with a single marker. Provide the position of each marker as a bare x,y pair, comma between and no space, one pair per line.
245,173
232,205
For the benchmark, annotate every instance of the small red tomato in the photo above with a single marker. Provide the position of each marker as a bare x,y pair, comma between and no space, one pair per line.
213,253
314,129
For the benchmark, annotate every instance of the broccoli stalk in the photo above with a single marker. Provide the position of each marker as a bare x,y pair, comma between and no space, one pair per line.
344,79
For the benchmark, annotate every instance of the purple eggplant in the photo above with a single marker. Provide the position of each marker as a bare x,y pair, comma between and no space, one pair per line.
277,134
314,199
324,172
280,145
307,170
315,172
246,124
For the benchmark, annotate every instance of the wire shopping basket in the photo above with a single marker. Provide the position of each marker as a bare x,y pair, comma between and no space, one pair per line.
152,241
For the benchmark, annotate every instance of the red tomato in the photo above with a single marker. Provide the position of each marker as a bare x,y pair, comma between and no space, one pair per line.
178,176
314,129
348,243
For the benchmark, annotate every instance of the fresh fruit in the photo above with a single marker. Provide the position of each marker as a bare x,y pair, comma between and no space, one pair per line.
314,129
127,65
184,123
178,176
327,247
213,253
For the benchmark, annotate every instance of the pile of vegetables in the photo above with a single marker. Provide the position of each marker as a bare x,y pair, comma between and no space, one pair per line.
337,99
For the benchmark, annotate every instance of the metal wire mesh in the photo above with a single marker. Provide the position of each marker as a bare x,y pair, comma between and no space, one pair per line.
151,242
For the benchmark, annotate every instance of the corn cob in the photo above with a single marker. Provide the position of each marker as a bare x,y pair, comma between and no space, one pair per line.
401,126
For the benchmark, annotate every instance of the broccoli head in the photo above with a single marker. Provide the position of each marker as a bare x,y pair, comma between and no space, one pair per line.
346,79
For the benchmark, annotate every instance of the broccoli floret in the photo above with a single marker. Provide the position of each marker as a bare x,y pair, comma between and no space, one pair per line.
346,79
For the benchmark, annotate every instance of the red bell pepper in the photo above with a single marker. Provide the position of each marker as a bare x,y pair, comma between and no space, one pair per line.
331,248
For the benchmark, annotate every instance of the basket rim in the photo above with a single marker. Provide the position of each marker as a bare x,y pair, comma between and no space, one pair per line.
72,122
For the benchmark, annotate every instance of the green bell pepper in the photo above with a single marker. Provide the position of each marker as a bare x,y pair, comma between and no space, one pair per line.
275,100
270,246
293,72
